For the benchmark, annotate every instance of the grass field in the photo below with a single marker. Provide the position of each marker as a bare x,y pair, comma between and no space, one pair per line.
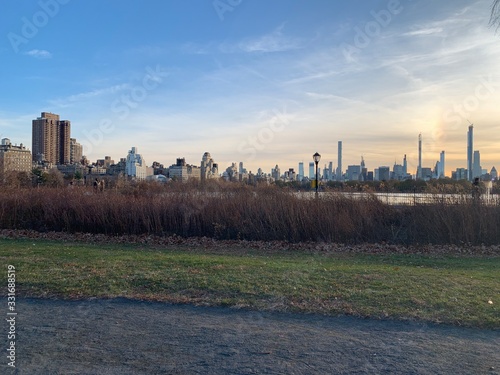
456,290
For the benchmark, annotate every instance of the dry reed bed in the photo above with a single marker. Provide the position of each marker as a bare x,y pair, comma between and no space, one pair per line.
245,213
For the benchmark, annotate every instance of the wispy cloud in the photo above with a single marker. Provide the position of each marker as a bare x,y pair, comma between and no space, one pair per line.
77,98
39,54
426,31
192,48
276,41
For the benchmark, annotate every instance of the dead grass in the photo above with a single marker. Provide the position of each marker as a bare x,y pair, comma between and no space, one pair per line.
235,212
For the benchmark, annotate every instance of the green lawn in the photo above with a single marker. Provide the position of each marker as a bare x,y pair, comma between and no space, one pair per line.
455,290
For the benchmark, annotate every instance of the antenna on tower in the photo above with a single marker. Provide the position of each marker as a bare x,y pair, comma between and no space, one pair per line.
470,123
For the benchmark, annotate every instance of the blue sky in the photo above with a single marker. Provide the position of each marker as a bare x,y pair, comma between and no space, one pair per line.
263,82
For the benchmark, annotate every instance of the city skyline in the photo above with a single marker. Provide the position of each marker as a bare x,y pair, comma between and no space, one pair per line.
52,134
371,74
52,143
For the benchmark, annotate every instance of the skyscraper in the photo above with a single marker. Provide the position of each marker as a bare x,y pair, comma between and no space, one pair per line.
209,169
301,171
419,168
63,147
441,171
242,170
51,139
470,145
339,167
312,174
476,167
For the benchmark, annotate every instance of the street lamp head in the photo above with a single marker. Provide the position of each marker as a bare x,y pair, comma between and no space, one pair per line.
317,157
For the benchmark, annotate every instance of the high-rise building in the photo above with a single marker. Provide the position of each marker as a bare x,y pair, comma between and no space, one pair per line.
476,168
494,174
339,172
183,172
276,173
301,171
290,175
426,174
397,172
242,170
470,145
51,139
108,162
136,166
63,147
441,172
312,173
405,166
76,151
364,170
419,167
329,172
353,173
209,169
384,174
459,174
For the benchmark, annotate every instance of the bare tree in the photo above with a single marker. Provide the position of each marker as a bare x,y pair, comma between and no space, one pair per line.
495,14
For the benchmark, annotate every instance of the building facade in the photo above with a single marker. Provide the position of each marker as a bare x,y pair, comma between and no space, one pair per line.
470,147
183,172
51,140
209,169
76,152
301,171
353,173
136,166
14,158
339,171
476,166
312,171
441,171
276,173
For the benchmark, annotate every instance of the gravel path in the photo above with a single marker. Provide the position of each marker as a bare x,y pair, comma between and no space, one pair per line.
131,337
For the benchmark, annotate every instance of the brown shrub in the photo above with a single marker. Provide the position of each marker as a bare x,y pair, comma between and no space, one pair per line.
231,211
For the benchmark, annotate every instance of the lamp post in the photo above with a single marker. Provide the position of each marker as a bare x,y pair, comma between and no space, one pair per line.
317,158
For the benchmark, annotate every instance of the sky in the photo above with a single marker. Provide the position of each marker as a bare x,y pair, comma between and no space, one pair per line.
262,82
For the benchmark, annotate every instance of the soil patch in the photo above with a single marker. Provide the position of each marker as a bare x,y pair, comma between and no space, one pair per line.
133,337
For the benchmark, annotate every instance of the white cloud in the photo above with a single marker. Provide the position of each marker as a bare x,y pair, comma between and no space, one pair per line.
426,31
273,42
77,98
39,54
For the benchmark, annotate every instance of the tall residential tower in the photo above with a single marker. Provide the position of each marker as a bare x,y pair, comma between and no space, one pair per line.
419,168
339,167
51,139
470,160
441,171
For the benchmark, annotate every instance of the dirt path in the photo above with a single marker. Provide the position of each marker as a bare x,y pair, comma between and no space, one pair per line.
129,337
